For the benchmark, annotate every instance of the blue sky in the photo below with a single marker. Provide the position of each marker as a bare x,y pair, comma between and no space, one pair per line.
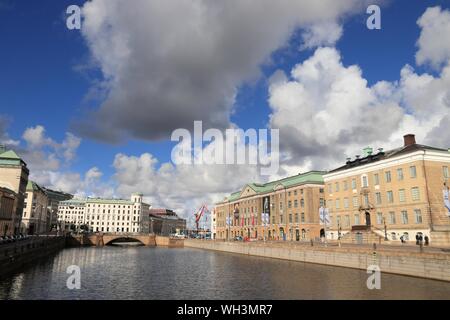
41,82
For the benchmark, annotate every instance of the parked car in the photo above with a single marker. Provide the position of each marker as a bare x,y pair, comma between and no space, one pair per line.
238,238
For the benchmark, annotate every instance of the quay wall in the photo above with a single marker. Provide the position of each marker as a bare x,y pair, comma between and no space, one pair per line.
16,255
429,265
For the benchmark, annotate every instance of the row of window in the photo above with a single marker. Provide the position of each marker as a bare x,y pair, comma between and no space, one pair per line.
376,178
415,196
344,221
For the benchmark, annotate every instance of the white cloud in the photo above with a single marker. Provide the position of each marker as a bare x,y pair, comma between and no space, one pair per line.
168,63
321,34
434,44
326,111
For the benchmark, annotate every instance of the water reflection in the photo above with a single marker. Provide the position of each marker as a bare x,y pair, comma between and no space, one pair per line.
159,273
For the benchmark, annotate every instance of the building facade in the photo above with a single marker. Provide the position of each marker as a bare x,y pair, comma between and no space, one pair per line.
396,193
8,202
54,198
213,224
35,213
14,176
165,222
287,209
104,215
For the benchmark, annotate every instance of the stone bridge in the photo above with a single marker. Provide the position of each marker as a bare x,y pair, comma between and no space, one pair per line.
103,239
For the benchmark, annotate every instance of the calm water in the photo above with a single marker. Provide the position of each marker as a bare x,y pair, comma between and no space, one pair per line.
159,273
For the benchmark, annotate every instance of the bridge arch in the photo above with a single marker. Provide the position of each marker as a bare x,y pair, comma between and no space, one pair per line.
121,239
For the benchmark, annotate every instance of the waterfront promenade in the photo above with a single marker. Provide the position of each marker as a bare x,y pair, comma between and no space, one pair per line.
429,263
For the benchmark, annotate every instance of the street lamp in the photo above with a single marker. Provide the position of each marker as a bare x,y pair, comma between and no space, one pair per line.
385,229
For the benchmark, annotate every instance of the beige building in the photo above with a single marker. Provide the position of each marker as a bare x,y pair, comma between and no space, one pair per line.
395,193
104,215
35,213
14,176
286,209
8,202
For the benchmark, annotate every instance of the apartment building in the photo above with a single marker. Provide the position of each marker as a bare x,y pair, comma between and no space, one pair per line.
14,176
35,214
286,209
104,215
400,192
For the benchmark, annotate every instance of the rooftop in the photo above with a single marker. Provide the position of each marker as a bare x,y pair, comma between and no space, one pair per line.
409,146
311,177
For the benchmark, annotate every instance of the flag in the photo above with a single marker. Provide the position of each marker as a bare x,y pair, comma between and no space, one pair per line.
324,216
447,201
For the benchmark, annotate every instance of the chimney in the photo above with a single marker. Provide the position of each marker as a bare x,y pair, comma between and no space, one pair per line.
409,139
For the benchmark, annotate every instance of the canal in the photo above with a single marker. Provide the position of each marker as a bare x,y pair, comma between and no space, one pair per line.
161,273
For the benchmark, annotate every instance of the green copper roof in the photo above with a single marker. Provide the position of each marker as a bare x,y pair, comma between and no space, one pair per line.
10,155
33,186
312,177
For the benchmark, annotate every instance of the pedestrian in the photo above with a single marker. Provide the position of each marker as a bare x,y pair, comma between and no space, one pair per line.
421,239
417,239
427,240
402,239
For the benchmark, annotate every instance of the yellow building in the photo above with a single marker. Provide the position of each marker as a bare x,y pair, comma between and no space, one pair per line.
395,193
292,205
35,213
14,176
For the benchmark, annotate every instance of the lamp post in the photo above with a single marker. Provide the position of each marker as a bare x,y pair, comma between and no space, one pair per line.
385,229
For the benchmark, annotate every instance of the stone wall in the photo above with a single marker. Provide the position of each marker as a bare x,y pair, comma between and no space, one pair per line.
423,265
16,255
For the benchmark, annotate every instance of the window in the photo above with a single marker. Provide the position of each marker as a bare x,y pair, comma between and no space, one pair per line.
415,194
322,202
378,197
338,203
337,187
366,200
330,189
345,185
400,174
412,172
392,217
295,203
376,179
290,218
387,175
445,172
355,202
379,218
405,217
289,204
401,195
365,183
345,203
418,215
295,192
302,203
353,184
281,205
303,217
330,203
390,197
357,221
347,221
296,218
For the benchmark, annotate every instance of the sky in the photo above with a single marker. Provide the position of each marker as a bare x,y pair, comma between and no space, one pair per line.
92,111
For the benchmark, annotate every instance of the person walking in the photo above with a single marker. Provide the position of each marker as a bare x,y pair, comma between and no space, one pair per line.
402,239
427,240
417,239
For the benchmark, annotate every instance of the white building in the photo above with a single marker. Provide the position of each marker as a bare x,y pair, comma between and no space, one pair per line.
104,215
